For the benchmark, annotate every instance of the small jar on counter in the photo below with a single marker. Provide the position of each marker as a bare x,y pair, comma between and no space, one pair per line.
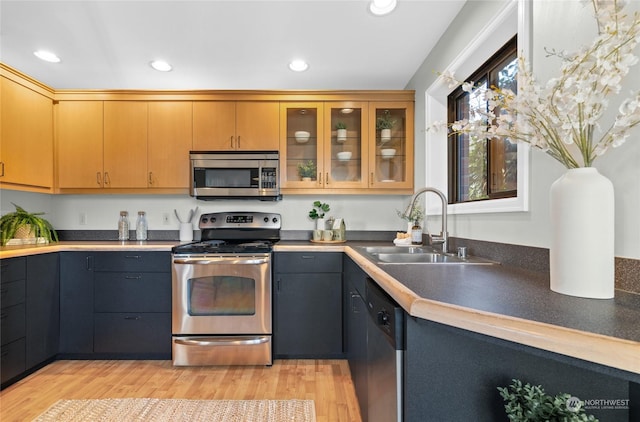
416,233
123,226
141,226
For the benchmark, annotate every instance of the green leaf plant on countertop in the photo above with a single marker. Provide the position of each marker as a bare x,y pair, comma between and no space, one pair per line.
318,211
527,403
29,224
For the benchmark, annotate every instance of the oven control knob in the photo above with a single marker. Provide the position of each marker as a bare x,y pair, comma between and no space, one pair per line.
205,219
275,219
266,219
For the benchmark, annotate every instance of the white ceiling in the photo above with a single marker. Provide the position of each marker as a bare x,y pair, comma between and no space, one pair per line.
221,44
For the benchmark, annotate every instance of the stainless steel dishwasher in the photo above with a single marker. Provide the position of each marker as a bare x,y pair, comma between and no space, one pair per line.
385,353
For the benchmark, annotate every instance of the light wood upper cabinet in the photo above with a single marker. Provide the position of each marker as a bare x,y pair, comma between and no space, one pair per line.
169,144
345,151
26,138
80,144
301,151
125,144
235,125
391,157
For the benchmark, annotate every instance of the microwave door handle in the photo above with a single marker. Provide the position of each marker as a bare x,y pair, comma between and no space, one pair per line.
222,260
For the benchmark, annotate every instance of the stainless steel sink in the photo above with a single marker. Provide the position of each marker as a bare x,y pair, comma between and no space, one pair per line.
395,249
384,255
409,258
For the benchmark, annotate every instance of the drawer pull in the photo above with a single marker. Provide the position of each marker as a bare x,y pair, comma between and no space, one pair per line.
308,257
133,257
133,277
133,318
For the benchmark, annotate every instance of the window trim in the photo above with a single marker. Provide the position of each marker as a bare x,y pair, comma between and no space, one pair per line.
514,18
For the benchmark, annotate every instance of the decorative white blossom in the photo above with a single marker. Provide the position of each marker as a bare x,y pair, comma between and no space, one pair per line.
562,117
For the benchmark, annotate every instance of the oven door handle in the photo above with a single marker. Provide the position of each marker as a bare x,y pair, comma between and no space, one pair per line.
223,341
222,260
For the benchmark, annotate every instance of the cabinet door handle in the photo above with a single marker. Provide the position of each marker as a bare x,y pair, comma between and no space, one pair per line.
327,177
89,263
232,142
354,308
99,178
320,179
371,179
1,168
238,146
107,179
150,178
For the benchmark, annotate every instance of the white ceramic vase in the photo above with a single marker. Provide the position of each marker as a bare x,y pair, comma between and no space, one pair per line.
581,256
321,224
341,135
385,135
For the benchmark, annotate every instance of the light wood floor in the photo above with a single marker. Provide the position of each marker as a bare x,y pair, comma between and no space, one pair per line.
327,382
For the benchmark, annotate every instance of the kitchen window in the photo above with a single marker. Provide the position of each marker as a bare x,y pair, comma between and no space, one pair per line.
481,169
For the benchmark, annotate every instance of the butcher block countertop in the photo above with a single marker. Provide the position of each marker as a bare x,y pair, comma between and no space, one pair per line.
499,301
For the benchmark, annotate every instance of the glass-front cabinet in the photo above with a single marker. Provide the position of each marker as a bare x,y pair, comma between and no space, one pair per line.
345,151
391,155
301,145
347,146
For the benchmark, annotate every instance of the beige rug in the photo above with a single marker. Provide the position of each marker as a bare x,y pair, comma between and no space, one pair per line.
172,410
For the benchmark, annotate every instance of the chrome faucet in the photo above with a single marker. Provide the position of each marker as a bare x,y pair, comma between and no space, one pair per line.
444,235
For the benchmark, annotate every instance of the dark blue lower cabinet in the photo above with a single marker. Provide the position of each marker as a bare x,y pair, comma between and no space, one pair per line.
453,375
130,333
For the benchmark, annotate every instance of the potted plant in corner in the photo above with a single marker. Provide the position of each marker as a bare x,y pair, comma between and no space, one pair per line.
27,227
341,131
384,124
317,213
307,170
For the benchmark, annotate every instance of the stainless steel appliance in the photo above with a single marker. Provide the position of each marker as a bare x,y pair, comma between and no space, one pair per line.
235,175
221,303
385,353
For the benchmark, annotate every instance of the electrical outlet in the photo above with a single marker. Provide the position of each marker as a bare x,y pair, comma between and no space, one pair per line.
165,218
83,219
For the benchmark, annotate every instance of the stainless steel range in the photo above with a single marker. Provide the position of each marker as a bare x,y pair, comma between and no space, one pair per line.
221,310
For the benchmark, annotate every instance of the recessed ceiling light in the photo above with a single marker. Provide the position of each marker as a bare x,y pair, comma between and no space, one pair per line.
161,66
382,7
298,65
47,56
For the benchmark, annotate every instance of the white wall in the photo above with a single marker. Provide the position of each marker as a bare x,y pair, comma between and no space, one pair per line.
365,212
561,25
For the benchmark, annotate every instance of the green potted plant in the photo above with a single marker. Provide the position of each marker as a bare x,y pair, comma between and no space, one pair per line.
318,212
384,124
24,225
527,403
307,170
341,131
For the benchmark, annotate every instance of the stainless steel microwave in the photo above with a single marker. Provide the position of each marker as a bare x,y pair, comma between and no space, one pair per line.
235,175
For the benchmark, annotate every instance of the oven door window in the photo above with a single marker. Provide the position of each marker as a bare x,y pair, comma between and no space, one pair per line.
222,295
